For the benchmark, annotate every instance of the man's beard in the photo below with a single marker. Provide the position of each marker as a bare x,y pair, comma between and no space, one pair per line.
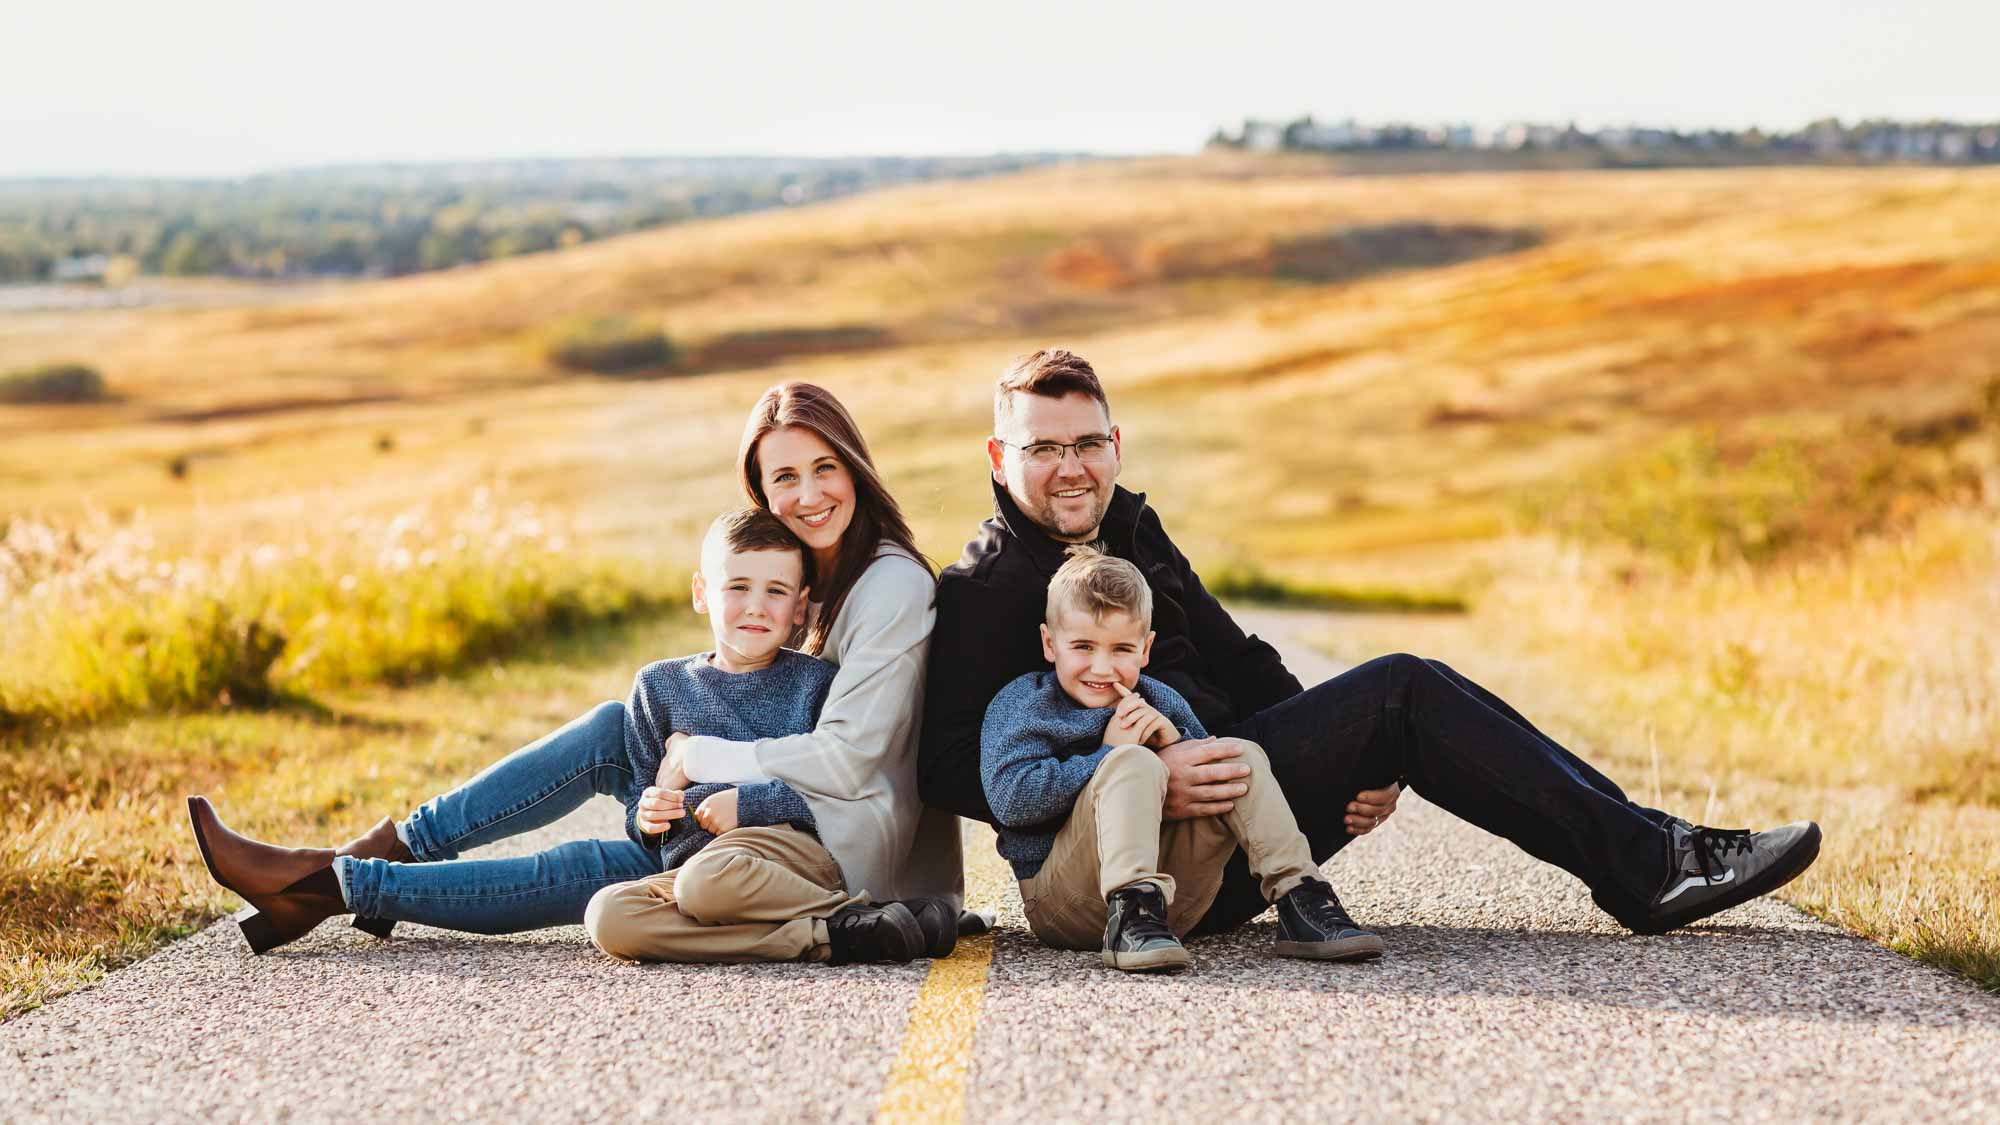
1084,526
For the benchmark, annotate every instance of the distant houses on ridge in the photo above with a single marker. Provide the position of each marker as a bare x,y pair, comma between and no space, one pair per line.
1930,142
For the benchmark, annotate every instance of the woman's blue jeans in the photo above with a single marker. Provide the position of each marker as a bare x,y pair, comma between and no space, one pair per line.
534,786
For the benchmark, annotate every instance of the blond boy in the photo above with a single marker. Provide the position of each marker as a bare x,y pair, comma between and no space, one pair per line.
1069,762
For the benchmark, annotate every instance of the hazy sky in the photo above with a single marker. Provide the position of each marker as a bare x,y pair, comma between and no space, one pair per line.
207,88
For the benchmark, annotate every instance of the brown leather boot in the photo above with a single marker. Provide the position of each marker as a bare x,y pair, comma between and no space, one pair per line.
379,842
292,889
292,913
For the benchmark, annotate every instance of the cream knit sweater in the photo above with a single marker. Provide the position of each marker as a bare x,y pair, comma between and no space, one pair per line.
857,769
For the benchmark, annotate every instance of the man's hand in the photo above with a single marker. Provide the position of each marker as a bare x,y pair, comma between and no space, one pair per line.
672,774
1370,808
718,812
1137,722
1201,778
659,808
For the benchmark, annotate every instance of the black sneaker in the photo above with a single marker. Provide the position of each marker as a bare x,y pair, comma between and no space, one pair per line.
888,932
1136,937
1311,924
1714,869
939,922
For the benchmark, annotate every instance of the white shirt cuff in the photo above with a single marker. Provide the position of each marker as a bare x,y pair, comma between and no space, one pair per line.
720,760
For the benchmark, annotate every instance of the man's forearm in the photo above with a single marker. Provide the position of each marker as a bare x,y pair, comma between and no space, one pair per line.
1260,678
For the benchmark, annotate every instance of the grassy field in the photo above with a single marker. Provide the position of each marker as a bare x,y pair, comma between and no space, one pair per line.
96,866
102,622
1856,691
1709,454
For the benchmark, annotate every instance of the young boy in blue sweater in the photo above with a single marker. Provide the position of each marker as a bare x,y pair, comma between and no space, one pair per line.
745,878
1069,762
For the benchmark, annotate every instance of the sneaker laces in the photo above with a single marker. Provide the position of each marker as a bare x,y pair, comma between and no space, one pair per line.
1712,846
1145,916
1321,906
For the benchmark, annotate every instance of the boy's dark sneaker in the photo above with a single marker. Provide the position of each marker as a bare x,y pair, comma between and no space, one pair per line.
1136,936
939,921
1713,869
1312,924
888,932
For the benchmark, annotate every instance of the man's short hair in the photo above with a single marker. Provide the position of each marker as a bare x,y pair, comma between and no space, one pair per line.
752,529
1096,583
1050,373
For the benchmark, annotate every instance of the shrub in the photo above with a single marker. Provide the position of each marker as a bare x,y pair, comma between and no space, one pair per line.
1250,583
56,382
101,623
1357,251
609,345
1698,497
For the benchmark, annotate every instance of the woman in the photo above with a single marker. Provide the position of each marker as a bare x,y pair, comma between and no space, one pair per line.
803,459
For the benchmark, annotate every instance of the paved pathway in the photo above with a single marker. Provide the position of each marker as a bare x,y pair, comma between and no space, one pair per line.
1504,996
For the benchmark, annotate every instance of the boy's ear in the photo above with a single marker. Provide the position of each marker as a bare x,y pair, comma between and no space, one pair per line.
700,594
1048,644
805,599
1146,650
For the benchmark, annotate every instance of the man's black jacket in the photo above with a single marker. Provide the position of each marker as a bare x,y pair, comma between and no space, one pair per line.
991,599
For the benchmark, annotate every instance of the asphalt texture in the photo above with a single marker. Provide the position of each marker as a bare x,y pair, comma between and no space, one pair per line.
1504,996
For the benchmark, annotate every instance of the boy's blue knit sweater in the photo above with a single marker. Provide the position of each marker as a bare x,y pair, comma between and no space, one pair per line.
1038,748
691,695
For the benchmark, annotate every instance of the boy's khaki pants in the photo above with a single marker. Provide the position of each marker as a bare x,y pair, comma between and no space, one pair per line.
753,894
1116,836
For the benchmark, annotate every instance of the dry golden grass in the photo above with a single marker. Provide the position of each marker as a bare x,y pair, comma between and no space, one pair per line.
1369,434
96,865
1857,691
101,622
1658,299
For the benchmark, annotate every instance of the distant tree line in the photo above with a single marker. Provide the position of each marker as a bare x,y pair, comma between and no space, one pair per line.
1827,140
386,220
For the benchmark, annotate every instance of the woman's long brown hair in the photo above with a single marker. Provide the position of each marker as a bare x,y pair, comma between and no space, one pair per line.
877,517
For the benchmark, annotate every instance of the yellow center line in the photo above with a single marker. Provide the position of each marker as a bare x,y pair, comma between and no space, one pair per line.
928,1080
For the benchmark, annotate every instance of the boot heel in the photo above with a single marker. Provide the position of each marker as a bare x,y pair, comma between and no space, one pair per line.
259,932
379,927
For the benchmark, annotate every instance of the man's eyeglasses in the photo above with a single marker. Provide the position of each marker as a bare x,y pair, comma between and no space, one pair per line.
1047,454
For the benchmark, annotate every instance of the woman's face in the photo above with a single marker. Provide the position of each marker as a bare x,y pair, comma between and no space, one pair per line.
807,486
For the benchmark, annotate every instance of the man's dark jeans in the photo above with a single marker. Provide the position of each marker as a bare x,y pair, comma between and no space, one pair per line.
1403,718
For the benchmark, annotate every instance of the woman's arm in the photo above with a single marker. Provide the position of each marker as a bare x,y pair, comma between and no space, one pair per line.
870,707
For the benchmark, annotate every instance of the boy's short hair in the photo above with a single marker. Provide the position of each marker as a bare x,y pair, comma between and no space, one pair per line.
1097,584
753,529
1050,373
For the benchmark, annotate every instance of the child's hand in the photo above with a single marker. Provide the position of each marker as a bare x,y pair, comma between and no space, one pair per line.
1136,722
718,812
672,774
659,808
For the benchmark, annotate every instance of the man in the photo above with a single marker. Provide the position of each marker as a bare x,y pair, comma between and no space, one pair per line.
1339,751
